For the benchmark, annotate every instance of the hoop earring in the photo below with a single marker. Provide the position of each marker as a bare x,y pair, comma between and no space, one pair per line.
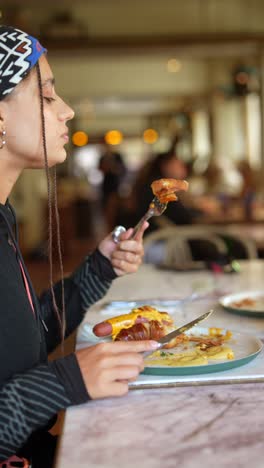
2,139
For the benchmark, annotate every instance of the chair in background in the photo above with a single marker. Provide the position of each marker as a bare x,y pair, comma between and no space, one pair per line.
202,247
158,247
184,246
238,247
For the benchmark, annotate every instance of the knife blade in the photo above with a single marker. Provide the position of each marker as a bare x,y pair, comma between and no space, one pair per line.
167,338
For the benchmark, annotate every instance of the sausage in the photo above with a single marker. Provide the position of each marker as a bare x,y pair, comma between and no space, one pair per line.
102,329
105,328
141,330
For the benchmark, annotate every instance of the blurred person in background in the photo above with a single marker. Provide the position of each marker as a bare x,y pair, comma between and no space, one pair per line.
113,168
212,197
213,179
249,187
33,133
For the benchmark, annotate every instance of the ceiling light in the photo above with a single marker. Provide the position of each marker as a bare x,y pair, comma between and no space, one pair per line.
80,138
150,136
174,65
113,137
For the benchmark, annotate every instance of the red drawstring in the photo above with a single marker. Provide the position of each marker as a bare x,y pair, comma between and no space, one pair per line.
26,286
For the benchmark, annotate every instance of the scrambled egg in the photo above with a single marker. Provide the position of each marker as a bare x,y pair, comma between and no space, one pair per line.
220,352
195,357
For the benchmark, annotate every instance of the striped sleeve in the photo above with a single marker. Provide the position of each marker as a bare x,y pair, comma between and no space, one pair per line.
83,288
27,402
91,280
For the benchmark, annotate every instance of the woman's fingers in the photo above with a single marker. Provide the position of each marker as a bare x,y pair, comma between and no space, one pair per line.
122,359
129,246
126,266
117,347
120,373
115,381
140,233
128,256
127,263
139,236
105,364
118,388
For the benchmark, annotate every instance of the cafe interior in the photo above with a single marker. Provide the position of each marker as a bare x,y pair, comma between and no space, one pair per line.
160,89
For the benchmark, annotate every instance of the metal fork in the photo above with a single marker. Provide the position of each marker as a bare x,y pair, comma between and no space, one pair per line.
156,208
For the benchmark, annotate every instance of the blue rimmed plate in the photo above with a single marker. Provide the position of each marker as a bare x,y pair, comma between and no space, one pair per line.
245,348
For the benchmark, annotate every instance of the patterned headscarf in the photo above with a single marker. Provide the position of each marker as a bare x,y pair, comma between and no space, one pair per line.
19,52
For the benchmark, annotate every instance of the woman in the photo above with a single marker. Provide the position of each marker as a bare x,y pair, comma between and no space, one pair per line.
33,132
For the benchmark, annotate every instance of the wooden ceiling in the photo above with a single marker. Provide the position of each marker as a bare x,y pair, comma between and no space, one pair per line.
135,25
116,50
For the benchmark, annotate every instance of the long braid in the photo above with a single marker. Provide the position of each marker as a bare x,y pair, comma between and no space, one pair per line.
57,217
61,319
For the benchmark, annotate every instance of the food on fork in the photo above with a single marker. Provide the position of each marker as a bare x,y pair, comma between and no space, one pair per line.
165,189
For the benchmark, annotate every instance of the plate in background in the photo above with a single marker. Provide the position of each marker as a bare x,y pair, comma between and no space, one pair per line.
249,303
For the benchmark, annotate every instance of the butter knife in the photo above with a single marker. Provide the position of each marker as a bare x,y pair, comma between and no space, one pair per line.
167,338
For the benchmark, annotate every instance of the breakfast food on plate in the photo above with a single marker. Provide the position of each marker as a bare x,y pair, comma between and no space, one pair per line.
165,189
191,357
189,349
141,323
195,350
247,302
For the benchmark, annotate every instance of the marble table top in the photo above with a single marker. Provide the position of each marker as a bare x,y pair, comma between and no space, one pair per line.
214,426
209,427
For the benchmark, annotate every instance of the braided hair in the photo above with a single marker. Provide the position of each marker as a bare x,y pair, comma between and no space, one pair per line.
53,209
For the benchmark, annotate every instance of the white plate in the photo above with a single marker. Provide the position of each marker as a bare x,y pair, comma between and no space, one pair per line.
256,309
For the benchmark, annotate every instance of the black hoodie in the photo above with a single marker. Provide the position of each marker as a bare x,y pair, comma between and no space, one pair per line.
32,390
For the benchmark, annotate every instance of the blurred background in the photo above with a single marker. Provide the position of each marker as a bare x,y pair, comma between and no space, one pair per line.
160,89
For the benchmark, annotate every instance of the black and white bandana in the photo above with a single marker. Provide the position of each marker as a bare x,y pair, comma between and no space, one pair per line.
19,52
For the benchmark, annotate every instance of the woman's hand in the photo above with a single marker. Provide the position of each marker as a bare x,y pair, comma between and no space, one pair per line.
126,256
107,368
